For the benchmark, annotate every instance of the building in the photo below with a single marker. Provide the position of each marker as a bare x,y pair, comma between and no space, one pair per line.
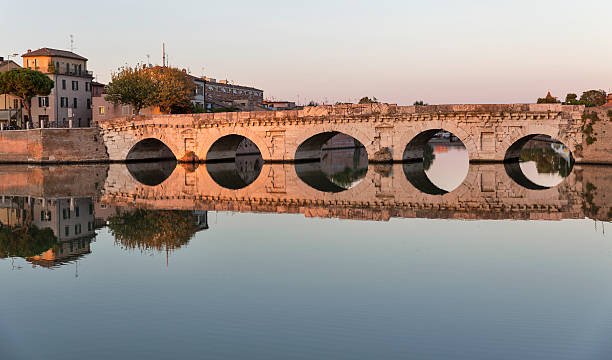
69,104
11,108
199,99
222,94
278,105
609,103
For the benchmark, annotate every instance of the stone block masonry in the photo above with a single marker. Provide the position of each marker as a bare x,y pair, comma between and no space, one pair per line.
52,146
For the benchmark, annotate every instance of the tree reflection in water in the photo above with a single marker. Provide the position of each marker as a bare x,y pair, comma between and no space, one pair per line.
26,241
158,230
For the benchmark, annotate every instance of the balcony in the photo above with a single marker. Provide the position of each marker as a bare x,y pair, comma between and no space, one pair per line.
82,73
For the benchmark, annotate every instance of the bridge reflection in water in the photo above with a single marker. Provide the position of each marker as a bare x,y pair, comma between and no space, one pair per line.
354,190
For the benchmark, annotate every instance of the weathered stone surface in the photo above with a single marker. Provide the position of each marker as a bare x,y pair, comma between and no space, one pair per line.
75,145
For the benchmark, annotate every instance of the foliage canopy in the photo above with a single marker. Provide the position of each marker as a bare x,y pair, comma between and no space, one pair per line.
153,230
25,84
26,242
168,88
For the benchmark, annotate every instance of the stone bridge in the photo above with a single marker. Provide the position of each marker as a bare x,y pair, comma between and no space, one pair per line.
388,132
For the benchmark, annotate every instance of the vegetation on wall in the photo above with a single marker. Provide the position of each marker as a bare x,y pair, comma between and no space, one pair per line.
588,206
590,118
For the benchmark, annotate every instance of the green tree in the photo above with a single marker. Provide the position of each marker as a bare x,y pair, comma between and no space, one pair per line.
420,103
571,99
131,86
593,98
25,84
175,89
367,100
313,103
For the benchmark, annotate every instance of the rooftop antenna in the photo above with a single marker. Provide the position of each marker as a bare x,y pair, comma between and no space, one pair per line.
72,48
164,54
148,60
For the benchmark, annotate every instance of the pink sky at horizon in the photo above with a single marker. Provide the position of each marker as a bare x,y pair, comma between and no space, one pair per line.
398,51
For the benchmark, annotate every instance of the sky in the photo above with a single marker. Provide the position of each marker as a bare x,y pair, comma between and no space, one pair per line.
397,51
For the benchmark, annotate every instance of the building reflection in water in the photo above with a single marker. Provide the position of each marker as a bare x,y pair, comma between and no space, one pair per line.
58,231
69,223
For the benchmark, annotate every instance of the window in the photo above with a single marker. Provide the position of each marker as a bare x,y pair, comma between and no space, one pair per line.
79,69
43,101
89,103
66,231
77,229
89,226
75,85
76,211
101,110
64,84
91,209
125,110
57,66
87,86
67,68
74,103
62,102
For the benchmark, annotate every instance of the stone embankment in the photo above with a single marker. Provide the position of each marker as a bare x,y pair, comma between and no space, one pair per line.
52,146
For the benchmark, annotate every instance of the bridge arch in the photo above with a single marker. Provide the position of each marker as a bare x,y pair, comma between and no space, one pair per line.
150,149
519,134
310,142
422,132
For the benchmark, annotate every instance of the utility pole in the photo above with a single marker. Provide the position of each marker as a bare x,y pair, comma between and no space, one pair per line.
164,54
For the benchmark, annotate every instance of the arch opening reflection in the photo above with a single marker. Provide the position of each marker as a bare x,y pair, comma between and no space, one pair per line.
538,162
331,162
234,162
151,173
436,162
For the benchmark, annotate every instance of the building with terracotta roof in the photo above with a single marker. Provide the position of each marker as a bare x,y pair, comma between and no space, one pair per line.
69,104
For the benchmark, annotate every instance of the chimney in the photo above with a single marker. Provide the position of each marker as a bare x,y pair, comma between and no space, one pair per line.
29,50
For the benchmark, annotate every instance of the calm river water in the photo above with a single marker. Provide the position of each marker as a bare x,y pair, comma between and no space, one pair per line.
337,259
